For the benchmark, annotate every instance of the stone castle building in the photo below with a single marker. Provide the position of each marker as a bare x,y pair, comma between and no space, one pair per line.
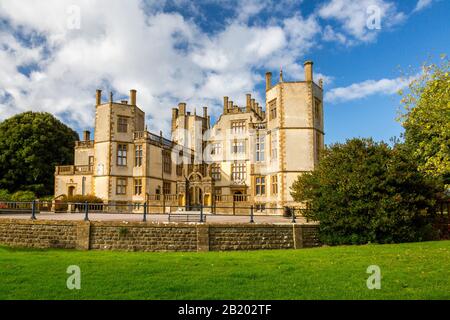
250,156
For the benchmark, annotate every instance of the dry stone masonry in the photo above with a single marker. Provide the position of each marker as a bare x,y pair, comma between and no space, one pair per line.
147,236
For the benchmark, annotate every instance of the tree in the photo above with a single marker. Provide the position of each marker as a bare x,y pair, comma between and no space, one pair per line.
363,191
31,145
426,119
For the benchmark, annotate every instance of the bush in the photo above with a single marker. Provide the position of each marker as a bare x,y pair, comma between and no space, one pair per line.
47,198
5,195
23,196
363,191
83,198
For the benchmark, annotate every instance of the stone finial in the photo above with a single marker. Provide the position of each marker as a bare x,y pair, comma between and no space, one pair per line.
111,97
281,74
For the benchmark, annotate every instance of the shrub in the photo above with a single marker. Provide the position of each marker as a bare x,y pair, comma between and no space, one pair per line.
47,198
5,195
363,191
80,199
83,198
23,196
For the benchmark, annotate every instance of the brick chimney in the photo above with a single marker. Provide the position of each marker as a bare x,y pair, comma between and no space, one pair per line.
98,97
182,108
268,80
133,97
86,135
308,66
225,104
248,106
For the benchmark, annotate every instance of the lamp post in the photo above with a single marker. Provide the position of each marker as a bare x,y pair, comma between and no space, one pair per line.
144,219
86,211
33,210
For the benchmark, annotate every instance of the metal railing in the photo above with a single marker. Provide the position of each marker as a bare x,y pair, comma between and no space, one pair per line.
35,207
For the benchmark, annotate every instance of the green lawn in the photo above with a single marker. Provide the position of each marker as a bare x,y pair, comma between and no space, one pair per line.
409,271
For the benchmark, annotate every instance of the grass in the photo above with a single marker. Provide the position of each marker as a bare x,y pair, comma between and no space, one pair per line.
409,271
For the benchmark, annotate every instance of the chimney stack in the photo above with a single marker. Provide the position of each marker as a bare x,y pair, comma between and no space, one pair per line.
248,106
230,104
252,103
86,135
308,70
205,112
174,118
133,97
98,97
182,107
225,104
268,80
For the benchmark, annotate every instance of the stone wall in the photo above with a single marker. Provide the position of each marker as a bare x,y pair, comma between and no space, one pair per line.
250,237
38,234
147,236
142,237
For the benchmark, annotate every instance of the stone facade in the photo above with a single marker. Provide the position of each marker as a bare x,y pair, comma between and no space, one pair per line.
140,236
250,156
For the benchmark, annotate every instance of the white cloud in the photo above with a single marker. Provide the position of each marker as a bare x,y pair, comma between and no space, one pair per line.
367,88
249,8
329,34
165,56
422,4
353,17
123,45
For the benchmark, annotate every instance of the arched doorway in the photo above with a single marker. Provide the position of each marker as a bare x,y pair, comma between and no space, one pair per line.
195,191
70,191
195,197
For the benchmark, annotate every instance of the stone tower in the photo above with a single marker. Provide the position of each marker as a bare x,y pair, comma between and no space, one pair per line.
115,125
188,129
295,128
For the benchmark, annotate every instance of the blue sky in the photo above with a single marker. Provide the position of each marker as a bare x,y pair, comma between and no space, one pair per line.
53,55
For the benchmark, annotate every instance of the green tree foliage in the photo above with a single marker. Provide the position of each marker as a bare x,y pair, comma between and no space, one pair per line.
5,195
23,196
363,191
31,145
426,119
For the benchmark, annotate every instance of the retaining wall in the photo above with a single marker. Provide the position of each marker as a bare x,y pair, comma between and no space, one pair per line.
147,236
